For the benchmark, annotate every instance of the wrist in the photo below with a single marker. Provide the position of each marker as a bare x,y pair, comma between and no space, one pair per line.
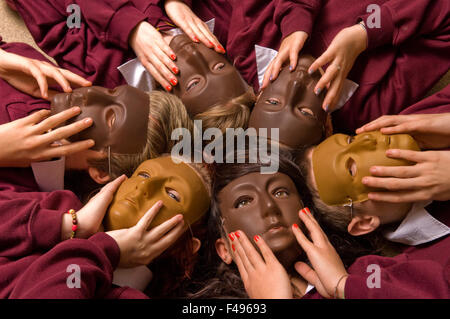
340,287
361,37
66,228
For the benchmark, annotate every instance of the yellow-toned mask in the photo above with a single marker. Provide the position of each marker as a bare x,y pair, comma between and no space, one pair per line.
341,161
177,185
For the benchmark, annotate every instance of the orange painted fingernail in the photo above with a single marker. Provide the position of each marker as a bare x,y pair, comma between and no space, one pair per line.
211,44
256,238
174,82
232,246
231,236
175,70
303,211
295,226
173,57
237,234
196,39
168,88
307,210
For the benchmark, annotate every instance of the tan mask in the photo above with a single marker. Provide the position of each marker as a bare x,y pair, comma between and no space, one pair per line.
206,77
120,116
290,104
177,185
341,161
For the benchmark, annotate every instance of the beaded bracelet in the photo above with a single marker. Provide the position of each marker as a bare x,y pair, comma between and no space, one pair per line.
74,222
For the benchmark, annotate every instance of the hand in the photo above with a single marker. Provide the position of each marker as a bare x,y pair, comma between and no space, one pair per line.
429,179
328,268
28,140
431,131
348,44
140,246
264,277
33,76
90,217
194,28
155,54
289,49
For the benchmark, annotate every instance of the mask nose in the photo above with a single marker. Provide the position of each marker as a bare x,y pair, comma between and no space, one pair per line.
269,209
196,59
147,187
295,91
367,142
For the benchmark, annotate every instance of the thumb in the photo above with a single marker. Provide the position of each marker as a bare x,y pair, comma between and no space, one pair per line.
106,194
311,277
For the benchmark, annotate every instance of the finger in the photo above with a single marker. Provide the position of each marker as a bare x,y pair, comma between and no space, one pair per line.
242,254
303,241
55,74
169,238
146,220
325,58
313,227
293,56
211,37
57,119
201,36
40,78
265,250
34,118
65,150
66,131
400,197
103,198
266,79
252,254
277,64
166,55
190,32
159,231
156,75
330,74
393,184
240,265
311,276
159,58
384,121
406,127
75,78
332,95
412,156
395,171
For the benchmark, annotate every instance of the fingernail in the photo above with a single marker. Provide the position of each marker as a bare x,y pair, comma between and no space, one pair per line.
232,246
174,82
307,210
159,203
327,107
295,226
196,39
221,48
364,180
173,57
175,70
76,109
372,170
168,88
310,71
237,234
303,211
318,91
256,238
270,78
88,120
230,235
212,44
291,68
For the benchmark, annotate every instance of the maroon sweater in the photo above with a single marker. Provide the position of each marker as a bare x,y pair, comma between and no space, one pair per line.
33,260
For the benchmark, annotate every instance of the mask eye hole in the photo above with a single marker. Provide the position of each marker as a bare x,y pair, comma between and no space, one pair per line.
273,101
350,139
281,193
242,201
173,194
219,66
192,83
350,165
144,174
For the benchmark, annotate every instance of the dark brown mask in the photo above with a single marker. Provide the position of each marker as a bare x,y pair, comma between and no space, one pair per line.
290,104
266,205
206,77
120,116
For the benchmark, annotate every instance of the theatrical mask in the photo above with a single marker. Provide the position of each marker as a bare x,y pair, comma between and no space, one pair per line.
341,161
290,104
177,185
120,116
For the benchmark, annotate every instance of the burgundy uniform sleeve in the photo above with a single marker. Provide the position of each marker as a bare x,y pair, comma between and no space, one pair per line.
402,277
31,222
401,20
55,274
296,15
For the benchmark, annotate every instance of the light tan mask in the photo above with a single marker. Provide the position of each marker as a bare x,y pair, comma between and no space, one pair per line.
177,185
341,161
